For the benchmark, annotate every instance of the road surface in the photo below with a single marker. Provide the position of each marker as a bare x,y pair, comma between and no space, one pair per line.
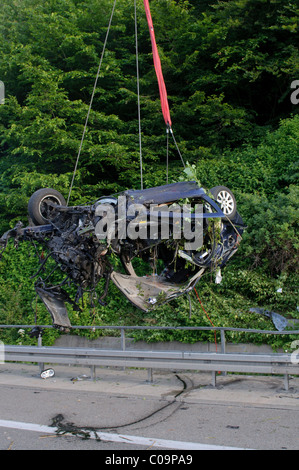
120,410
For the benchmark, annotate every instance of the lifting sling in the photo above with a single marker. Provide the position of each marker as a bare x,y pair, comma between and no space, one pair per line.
158,68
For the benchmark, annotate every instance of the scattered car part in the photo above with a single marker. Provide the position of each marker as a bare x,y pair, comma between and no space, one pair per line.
47,373
36,332
278,320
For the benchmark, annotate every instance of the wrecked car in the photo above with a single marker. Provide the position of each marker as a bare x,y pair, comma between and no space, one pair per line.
179,230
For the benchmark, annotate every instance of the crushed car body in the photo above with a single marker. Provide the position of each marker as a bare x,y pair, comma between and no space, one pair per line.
179,230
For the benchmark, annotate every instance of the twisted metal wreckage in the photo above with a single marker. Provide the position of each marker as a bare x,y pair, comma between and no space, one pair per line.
147,223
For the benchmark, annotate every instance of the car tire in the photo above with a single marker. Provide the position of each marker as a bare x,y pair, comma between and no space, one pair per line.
226,200
37,207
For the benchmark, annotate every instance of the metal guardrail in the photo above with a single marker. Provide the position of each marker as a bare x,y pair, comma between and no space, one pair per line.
272,363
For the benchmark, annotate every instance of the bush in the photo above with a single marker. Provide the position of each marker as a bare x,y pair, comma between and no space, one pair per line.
271,240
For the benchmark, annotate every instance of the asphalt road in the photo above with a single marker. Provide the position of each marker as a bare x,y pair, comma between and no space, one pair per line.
121,411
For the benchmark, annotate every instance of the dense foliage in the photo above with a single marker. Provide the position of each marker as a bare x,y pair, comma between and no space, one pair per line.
228,67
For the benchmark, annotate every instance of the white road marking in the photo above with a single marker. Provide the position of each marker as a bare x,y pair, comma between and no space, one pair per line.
122,438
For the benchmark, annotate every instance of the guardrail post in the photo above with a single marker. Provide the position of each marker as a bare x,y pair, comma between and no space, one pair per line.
123,341
93,372
213,378
223,341
286,382
39,344
150,376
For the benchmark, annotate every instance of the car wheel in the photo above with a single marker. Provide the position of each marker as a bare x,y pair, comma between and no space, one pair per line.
38,209
226,200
